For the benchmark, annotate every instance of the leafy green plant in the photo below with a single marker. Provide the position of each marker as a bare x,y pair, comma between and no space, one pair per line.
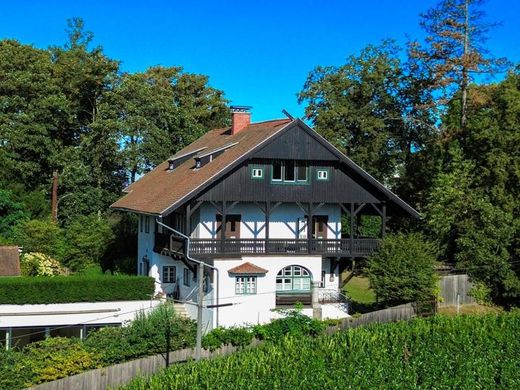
238,337
294,324
481,292
66,289
39,264
402,269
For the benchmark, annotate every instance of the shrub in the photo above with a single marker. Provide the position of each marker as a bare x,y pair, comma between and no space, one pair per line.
294,324
65,289
39,264
481,292
40,236
13,374
58,357
146,335
402,270
238,337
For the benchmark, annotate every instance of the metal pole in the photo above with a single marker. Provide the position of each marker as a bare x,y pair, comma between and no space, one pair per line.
200,299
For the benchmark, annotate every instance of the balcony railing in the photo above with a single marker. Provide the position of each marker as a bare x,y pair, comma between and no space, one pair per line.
210,247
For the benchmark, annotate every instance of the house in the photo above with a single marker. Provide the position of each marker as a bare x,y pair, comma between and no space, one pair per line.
265,204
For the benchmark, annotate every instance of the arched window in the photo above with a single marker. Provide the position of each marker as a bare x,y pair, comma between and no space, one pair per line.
293,278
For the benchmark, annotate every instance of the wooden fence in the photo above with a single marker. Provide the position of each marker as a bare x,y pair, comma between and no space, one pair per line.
120,374
453,286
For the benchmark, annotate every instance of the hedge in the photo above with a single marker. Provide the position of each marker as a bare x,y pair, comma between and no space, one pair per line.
68,289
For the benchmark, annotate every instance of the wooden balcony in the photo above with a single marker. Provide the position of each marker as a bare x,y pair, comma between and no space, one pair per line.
358,247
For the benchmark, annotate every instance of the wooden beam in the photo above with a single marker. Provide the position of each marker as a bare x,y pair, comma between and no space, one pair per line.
217,207
383,222
359,208
344,208
195,206
233,204
274,207
374,206
188,220
319,206
302,207
352,216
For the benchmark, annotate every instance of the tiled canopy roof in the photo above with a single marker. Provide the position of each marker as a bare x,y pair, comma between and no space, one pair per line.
247,268
160,189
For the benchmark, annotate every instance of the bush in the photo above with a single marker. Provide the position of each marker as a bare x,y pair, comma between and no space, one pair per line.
238,337
39,264
146,335
481,292
58,357
40,236
402,270
465,352
65,289
294,324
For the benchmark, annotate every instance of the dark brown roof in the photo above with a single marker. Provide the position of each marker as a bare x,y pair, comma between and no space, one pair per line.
158,190
247,268
9,261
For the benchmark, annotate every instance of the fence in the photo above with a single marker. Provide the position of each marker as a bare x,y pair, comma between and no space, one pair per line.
453,286
123,373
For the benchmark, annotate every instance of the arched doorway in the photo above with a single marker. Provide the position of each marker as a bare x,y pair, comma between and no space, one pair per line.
293,284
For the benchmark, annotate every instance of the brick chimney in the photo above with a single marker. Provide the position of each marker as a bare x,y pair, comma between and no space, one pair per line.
240,118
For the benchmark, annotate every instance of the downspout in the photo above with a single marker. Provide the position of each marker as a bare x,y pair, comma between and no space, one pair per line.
188,243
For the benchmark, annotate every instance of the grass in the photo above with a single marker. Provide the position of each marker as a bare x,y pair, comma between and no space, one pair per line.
358,289
470,309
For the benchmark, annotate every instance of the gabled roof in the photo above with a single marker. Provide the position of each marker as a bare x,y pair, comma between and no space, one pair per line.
247,268
161,191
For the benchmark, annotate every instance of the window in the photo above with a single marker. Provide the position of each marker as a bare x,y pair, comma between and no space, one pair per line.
322,174
257,172
169,273
186,277
290,172
277,171
322,282
141,223
293,278
245,285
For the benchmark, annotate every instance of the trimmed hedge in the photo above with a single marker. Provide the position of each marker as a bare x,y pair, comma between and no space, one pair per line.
68,289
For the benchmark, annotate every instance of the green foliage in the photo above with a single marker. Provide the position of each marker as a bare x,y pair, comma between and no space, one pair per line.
239,337
481,292
39,264
11,212
146,335
402,270
65,289
58,357
293,324
458,352
40,236
87,239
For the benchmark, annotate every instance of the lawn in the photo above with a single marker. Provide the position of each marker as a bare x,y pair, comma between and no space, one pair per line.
358,290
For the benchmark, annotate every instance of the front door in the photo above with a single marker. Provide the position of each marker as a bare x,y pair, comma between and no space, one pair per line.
232,226
319,226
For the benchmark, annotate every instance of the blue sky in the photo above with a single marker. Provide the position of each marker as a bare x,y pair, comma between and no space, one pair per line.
258,52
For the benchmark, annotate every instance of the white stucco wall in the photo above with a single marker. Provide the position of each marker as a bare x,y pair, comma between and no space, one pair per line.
254,309
284,221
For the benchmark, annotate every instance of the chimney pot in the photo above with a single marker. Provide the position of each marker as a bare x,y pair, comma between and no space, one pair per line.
240,118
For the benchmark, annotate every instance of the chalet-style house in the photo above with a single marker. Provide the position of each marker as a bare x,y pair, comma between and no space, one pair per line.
263,203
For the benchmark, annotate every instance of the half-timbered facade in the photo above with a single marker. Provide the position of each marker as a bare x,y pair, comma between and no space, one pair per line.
273,206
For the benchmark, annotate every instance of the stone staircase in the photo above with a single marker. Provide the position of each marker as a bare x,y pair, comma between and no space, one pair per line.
181,310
